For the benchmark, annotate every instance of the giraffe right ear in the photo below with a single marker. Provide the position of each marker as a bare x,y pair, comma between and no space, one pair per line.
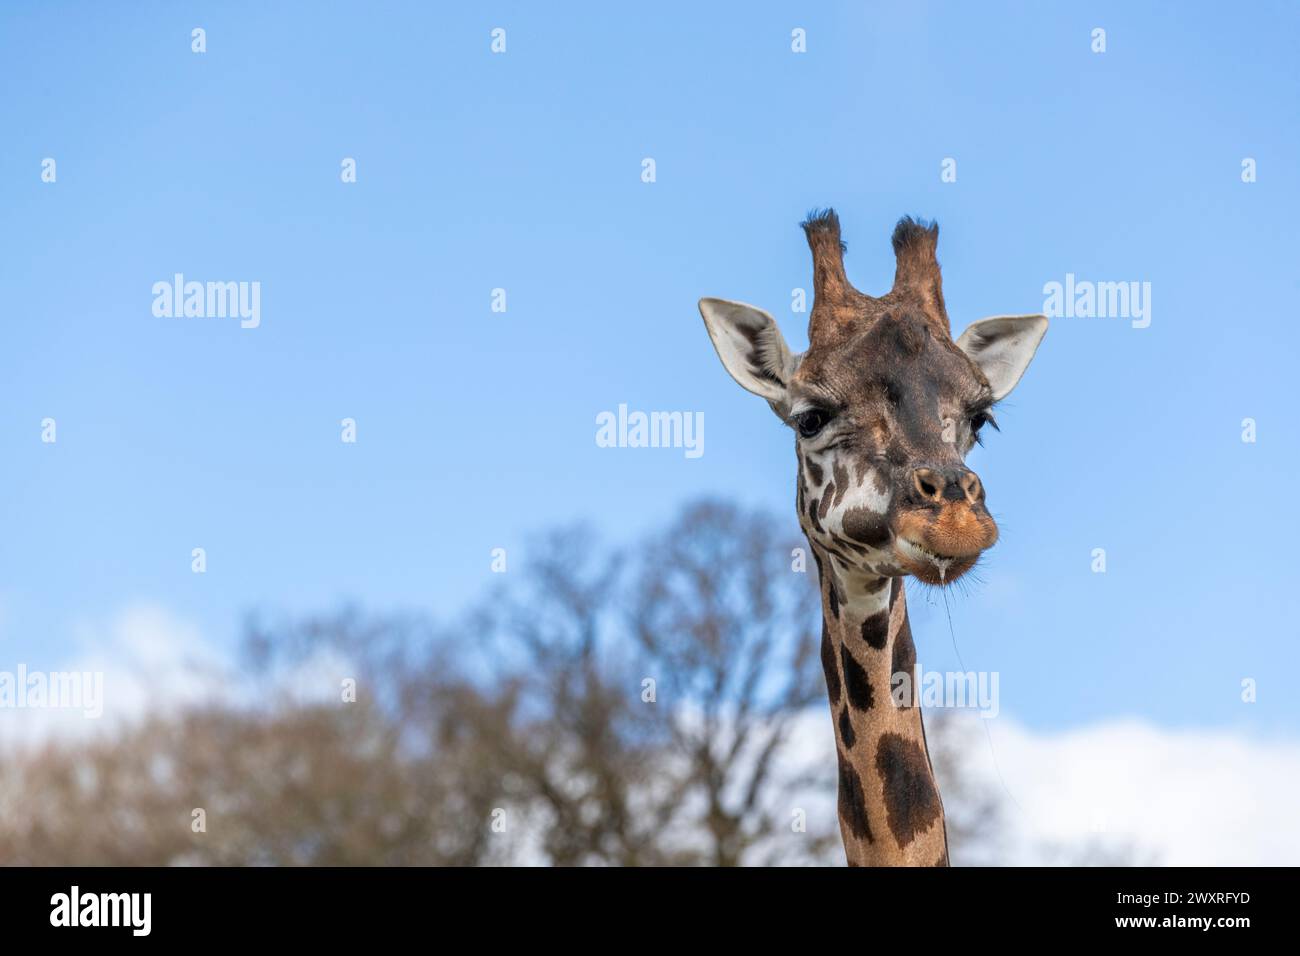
752,349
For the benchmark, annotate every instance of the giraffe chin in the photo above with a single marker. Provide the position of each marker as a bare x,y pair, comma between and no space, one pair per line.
929,566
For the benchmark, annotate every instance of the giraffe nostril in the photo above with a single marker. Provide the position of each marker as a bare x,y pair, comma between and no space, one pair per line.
927,483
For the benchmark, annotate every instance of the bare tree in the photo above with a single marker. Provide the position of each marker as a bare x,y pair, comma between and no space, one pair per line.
726,622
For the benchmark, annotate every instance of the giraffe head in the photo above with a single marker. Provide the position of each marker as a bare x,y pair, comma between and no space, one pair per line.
885,406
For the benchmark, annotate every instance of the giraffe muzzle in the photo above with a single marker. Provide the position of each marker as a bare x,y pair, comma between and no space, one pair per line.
944,526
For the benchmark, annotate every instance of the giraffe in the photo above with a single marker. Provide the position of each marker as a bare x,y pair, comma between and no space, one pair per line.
885,407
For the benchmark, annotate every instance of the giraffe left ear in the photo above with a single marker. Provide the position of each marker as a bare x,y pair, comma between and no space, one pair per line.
1002,348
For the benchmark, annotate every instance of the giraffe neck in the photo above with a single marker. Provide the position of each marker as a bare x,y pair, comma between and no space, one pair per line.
889,806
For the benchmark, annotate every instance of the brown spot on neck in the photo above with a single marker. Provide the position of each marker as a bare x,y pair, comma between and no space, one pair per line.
911,800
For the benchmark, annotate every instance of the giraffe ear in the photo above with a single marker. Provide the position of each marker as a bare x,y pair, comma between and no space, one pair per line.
752,349
1002,348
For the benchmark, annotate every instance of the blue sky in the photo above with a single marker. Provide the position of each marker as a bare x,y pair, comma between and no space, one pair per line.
522,171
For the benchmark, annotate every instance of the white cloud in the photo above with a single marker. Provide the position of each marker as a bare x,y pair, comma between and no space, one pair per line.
1179,797
153,661
149,660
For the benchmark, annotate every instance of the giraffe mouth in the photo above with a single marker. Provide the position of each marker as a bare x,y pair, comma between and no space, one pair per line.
921,554
931,566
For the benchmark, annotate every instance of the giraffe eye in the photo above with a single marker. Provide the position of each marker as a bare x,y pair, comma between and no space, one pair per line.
978,421
811,422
